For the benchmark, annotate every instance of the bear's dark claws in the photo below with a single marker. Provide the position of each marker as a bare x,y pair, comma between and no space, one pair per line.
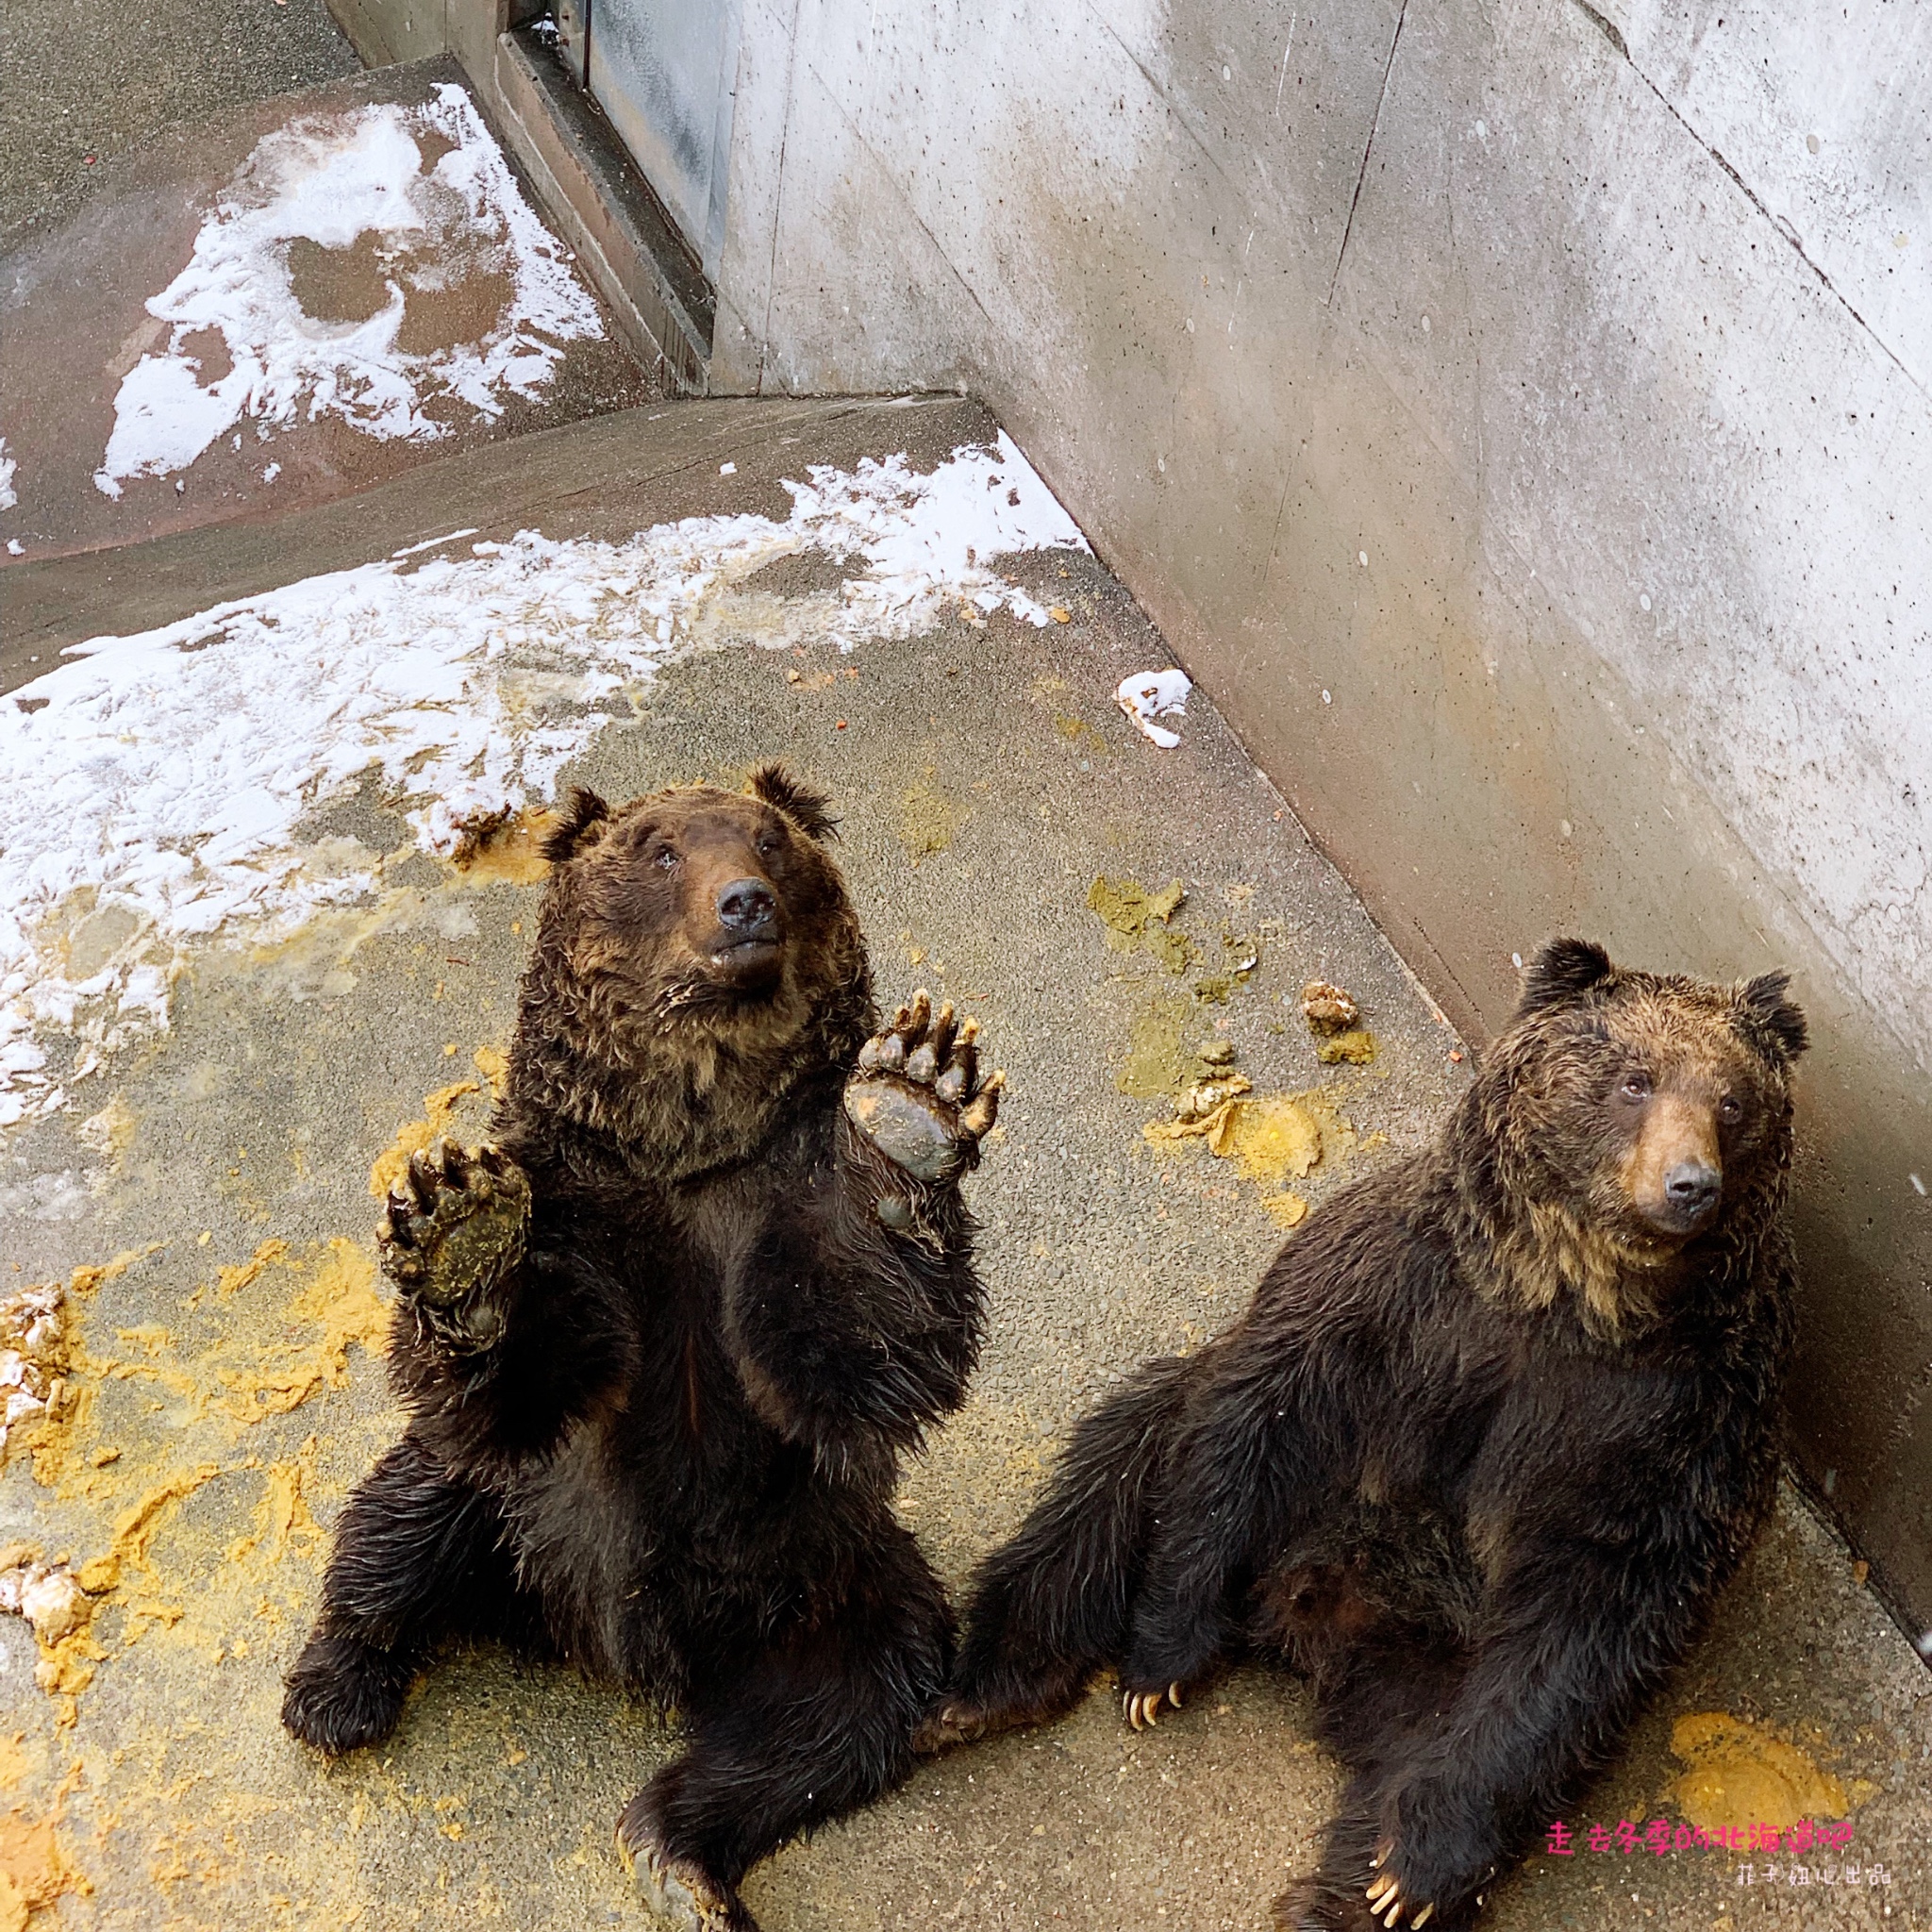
452,1229
678,1890
950,1725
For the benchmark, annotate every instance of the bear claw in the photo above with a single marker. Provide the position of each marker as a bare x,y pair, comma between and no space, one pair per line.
1141,1707
453,1226
919,1095
678,1890
1384,1893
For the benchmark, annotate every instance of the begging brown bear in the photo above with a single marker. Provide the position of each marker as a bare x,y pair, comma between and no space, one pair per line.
663,1343
1496,1428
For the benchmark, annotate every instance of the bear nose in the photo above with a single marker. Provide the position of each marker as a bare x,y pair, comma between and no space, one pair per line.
748,908
1692,1188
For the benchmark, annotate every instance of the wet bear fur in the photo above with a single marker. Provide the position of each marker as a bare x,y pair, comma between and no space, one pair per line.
1497,1425
659,1351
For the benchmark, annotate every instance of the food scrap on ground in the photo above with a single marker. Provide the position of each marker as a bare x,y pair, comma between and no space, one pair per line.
1272,1138
1136,918
926,822
1737,1773
1354,1048
32,1354
260,1364
1327,1008
34,1870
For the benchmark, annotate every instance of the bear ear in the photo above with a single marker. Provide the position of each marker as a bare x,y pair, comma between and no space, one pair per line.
1563,970
1767,1010
576,829
806,807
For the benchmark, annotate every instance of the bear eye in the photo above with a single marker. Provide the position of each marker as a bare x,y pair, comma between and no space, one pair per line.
1730,1109
767,843
1636,1087
664,856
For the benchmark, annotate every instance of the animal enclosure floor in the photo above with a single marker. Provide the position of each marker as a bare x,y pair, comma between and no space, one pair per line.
221,1092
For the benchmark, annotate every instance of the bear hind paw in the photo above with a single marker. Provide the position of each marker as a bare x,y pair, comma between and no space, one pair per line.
679,1890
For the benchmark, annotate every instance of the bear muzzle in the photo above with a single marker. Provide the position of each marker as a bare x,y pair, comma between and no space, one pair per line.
1691,1191
749,945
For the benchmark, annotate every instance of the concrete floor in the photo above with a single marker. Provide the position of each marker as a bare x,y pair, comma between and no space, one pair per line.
986,779
80,85
83,303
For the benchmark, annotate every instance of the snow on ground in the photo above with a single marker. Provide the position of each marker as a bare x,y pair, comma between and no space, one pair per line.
1151,694
8,469
331,180
150,791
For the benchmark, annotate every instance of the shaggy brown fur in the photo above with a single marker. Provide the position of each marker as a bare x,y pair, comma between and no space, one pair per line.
663,1345
1496,1428
639,1037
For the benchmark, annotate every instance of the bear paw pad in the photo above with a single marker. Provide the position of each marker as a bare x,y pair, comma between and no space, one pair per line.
456,1225
920,1098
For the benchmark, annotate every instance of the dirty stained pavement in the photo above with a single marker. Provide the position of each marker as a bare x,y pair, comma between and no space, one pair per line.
1133,926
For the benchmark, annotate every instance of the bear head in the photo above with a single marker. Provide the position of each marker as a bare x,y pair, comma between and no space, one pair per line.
696,955
1624,1118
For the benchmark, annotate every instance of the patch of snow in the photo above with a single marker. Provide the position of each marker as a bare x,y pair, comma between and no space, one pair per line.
269,474
149,798
433,543
32,1339
15,547
9,468
330,180
1151,694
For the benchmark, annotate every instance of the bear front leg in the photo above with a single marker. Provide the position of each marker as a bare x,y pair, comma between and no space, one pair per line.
920,1099
452,1239
853,1316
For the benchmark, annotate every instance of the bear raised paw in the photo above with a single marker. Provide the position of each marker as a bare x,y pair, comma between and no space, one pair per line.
452,1234
919,1097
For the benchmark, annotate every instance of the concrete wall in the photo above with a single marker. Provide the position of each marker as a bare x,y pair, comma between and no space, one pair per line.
1516,415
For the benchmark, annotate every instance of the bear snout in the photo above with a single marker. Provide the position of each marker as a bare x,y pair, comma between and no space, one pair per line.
748,911
745,950
1692,1188
1675,1174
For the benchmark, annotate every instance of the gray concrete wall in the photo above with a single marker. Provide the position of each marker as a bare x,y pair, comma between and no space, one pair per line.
1516,415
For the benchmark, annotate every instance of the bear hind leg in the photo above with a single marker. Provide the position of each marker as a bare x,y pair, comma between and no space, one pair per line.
1054,1605
417,1556
815,1726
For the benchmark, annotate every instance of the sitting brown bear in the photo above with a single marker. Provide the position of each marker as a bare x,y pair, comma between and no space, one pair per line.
663,1345
1496,1428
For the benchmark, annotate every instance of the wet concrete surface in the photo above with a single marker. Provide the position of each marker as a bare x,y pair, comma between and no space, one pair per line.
83,304
985,779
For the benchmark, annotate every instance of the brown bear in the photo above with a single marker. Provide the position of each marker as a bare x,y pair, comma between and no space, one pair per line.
663,1343
1496,1426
